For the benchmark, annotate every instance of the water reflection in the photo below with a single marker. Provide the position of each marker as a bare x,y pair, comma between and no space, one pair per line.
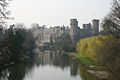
46,65
85,75
41,59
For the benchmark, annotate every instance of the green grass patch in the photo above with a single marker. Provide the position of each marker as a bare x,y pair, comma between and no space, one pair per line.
93,65
84,59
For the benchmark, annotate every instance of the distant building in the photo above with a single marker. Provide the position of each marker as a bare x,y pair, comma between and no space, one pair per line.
87,29
95,26
87,26
48,35
74,30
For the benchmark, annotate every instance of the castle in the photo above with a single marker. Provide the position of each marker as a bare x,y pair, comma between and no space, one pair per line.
48,35
87,30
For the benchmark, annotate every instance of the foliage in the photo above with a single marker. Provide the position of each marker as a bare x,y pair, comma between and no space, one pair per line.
16,44
89,46
109,51
111,23
85,75
15,38
103,49
85,60
63,42
4,13
109,55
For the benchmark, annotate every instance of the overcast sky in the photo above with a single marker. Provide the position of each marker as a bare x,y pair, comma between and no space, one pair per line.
57,12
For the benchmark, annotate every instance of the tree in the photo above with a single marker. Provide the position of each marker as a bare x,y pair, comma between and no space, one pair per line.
64,42
4,13
15,36
109,55
111,23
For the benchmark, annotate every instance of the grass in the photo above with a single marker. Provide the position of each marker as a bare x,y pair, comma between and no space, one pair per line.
88,61
91,64
84,59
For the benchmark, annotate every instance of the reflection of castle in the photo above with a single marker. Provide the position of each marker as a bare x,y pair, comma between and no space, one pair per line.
47,35
62,61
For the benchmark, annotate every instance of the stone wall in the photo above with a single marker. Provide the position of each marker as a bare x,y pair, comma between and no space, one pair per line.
48,35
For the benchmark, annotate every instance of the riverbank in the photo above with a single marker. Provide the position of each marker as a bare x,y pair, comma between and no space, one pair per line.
92,66
4,65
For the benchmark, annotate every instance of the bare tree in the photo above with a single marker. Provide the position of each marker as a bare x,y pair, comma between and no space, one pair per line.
111,23
4,13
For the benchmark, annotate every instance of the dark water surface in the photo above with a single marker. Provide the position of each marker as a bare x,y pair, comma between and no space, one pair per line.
47,66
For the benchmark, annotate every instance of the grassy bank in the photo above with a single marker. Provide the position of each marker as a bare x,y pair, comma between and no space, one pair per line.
85,60
92,66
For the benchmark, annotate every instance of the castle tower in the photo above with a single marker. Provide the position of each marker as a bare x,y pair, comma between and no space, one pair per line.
73,23
74,30
87,26
95,26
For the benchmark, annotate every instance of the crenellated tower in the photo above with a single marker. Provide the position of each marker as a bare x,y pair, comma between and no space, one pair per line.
95,26
74,30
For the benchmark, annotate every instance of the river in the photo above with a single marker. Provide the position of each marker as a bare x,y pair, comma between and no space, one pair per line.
47,65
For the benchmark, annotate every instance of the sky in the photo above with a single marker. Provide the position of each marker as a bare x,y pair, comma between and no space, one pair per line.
57,12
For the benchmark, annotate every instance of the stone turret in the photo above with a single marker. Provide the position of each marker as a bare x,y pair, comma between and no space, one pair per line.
87,26
95,26
73,23
74,30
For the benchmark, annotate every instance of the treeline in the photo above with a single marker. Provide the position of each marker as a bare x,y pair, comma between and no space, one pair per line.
90,47
105,48
64,43
16,44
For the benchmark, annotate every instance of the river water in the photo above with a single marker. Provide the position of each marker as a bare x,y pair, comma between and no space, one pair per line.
47,65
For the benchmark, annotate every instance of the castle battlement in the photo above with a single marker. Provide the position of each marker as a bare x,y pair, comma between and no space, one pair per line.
88,29
47,35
